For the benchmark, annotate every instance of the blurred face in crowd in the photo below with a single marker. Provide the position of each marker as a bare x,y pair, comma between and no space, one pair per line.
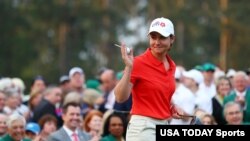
49,127
30,135
77,80
223,87
240,82
95,123
116,126
36,100
189,82
160,44
39,85
207,120
72,117
108,80
2,100
234,115
3,126
65,87
17,130
13,101
55,95
208,75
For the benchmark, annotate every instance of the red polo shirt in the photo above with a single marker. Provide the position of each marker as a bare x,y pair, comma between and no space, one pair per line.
153,86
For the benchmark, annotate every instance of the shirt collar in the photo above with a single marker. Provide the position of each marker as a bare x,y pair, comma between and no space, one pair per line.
157,62
68,131
241,93
151,58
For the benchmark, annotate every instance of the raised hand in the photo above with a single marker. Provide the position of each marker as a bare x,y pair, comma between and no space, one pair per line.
127,57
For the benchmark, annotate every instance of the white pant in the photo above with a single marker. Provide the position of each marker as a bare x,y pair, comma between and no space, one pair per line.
142,128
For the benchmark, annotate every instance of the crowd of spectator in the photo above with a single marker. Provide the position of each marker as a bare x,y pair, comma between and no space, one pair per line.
77,109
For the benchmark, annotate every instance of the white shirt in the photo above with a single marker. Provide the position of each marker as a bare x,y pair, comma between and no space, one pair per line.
70,133
204,101
208,90
184,99
23,109
110,100
243,94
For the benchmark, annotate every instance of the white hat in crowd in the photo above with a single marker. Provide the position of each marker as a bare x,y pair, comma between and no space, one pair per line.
63,79
195,75
231,73
75,70
163,26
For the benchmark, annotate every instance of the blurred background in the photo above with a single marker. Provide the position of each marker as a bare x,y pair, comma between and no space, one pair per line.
48,37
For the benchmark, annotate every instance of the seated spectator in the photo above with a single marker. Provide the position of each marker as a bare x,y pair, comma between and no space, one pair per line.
64,84
48,124
208,119
71,121
2,101
233,113
19,86
89,99
114,128
3,126
32,130
223,88
52,96
12,101
16,129
240,94
93,123
38,85
72,97
35,99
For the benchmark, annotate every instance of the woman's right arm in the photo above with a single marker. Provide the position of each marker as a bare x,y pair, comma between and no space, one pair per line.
123,87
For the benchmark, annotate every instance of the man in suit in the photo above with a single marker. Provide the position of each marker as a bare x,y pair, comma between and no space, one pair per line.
108,79
52,95
71,121
240,94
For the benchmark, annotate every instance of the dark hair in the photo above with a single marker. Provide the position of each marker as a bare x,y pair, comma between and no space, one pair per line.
65,107
107,123
47,118
38,77
247,71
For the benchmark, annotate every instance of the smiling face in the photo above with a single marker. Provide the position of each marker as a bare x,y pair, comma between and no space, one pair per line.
3,126
160,44
72,117
240,82
223,87
17,130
